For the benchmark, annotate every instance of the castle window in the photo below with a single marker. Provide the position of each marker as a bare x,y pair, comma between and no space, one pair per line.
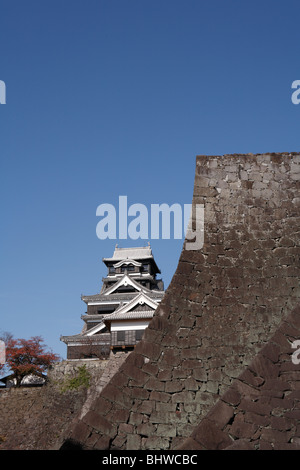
138,334
106,310
145,268
121,336
127,267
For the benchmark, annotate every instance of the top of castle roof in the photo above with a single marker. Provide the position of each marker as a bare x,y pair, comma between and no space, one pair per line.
134,253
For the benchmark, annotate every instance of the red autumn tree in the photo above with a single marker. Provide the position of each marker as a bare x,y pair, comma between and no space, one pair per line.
26,357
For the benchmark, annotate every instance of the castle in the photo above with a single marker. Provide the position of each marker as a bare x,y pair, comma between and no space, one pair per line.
118,315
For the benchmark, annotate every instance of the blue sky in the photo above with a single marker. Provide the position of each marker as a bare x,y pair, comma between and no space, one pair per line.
108,98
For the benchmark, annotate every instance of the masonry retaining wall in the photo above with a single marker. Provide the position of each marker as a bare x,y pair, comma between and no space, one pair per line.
38,417
34,418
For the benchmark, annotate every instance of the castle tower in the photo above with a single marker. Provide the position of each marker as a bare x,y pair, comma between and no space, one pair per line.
118,315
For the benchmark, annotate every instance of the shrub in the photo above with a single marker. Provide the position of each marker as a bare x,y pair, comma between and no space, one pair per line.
81,378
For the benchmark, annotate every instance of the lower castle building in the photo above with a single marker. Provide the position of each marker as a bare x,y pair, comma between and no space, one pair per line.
119,314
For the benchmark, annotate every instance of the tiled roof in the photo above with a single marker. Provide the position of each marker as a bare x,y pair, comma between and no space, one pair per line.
136,315
101,338
131,253
118,297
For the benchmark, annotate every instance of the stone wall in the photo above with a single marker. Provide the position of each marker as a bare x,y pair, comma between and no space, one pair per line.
261,410
222,307
38,417
34,418
68,368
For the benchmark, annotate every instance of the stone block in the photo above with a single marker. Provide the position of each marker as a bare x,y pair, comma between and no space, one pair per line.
136,374
221,414
241,429
174,386
166,430
210,436
162,417
102,443
126,428
138,393
171,357
232,397
183,397
155,442
189,444
159,396
133,442
148,349
258,419
281,423
255,407
98,422
241,444
274,436
81,432
154,384
119,396
146,407
118,416
191,384
146,429
164,375
135,418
